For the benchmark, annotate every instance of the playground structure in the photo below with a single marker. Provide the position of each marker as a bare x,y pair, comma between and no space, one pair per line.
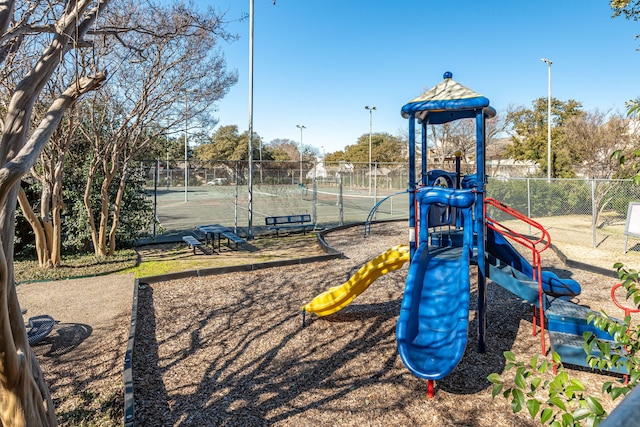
451,229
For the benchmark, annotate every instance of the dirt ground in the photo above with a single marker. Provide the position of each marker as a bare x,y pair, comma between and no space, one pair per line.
82,358
231,350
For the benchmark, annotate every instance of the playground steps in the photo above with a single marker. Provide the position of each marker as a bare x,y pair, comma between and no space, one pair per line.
570,318
567,323
571,350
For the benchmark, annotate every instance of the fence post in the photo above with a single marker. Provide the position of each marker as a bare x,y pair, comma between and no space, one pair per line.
340,210
155,197
593,211
315,202
375,189
529,201
235,204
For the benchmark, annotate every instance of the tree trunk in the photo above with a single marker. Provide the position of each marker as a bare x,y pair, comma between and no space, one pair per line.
116,209
24,395
42,249
88,206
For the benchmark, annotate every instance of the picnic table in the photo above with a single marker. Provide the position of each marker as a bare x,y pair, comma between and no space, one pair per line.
215,232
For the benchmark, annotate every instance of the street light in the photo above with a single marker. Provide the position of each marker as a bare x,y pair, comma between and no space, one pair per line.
300,127
548,62
370,123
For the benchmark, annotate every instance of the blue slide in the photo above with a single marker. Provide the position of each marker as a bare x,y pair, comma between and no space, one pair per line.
434,317
499,247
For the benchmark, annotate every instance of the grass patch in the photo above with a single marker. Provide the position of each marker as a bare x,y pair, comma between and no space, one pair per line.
76,266
169,259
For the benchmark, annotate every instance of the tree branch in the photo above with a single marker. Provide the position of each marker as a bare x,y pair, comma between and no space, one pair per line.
13,170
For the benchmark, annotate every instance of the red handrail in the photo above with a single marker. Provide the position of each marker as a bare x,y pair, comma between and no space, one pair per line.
627,310
529,243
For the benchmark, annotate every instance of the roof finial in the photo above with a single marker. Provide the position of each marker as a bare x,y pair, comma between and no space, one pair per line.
447,75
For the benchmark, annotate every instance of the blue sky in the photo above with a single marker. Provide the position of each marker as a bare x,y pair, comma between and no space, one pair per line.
318,63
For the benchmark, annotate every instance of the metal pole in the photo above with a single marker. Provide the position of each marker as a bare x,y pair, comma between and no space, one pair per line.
548,62
235,204
529,201
250,166
156,177
594,212
301,127
375,189
340,206
370,128
186,160
315,203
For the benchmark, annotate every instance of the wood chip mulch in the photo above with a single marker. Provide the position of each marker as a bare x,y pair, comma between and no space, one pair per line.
230,350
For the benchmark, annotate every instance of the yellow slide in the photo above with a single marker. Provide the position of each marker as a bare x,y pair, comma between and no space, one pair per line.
338,297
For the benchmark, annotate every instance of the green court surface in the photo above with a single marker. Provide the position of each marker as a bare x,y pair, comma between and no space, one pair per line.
229,207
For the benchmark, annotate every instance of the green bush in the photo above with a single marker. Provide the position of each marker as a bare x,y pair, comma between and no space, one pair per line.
558,400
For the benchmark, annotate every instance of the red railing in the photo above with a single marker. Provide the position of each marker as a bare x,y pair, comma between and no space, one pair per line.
627,310
529,243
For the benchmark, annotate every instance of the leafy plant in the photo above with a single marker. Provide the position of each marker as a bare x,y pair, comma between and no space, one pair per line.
560,401
553,399
623,353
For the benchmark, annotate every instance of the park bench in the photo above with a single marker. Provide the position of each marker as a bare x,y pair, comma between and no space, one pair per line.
290,222
232,237
192,242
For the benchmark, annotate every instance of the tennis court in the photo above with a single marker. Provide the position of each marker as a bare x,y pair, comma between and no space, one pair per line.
228,205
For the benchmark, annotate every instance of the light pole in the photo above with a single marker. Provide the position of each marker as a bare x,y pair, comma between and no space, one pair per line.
370,126
250,164
548,62
300,127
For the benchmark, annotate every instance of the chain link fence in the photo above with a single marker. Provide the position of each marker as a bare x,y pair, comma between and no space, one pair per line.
586,212
342,193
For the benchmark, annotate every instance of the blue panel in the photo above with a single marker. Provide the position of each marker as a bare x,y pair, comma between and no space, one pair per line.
452,105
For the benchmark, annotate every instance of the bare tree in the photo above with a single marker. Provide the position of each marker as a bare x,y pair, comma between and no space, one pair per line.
169,67
592,138
23,392
48,171
460,135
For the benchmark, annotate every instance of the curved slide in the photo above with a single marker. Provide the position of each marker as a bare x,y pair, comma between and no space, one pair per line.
434,317
338,297
499,247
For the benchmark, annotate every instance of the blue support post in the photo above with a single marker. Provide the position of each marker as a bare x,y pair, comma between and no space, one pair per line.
480,228
412,185
425,152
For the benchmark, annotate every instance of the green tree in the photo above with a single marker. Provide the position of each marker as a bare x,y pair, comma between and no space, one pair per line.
630,9
227,143
529,140
385,148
